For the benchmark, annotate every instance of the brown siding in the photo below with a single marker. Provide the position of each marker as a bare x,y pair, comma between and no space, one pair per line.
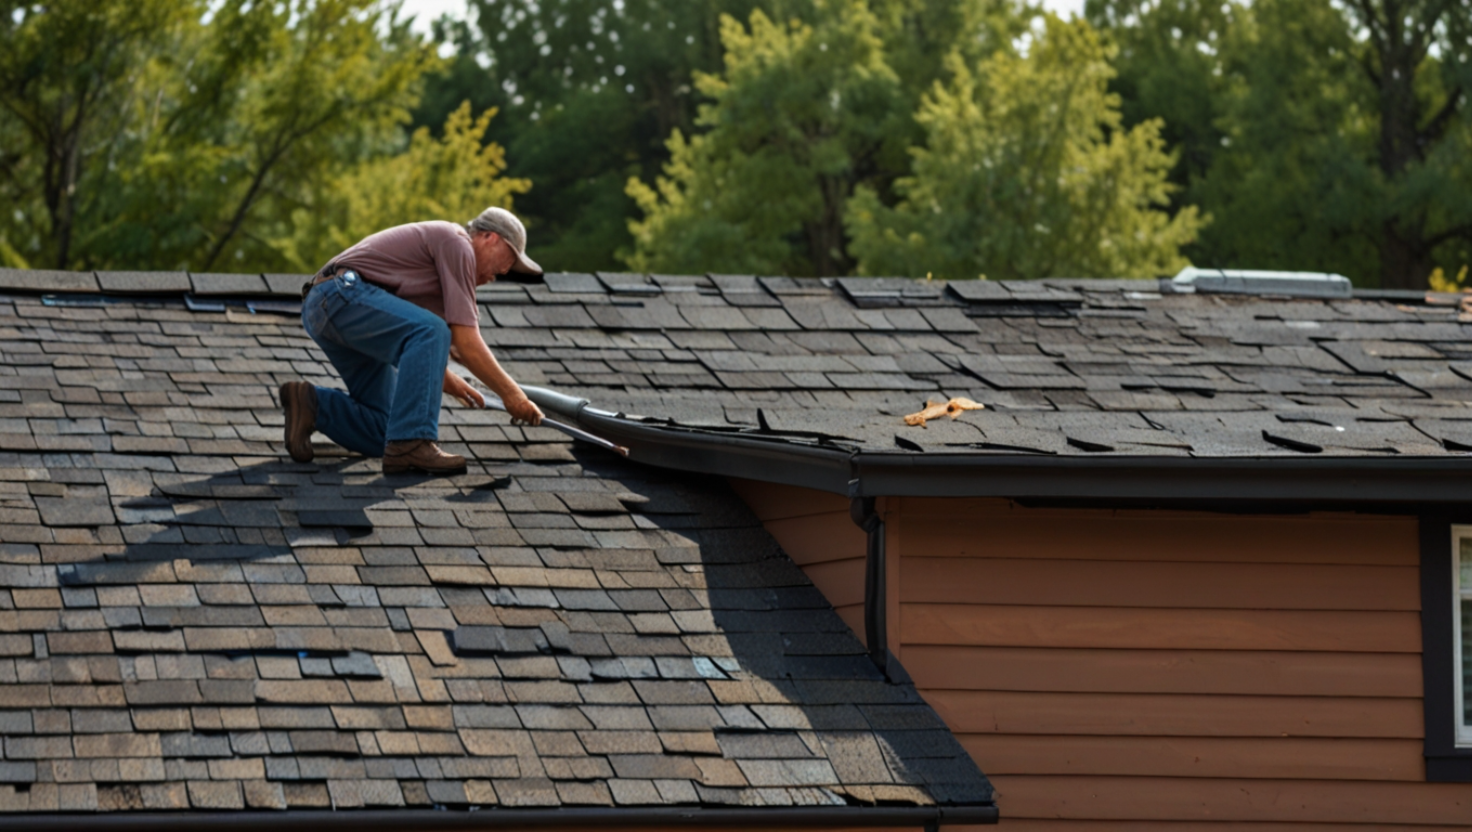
814,528
1115,670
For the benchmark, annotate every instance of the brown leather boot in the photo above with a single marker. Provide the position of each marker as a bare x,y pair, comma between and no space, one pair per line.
299,400
420,455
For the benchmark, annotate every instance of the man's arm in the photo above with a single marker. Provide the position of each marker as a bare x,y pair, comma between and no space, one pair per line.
470,349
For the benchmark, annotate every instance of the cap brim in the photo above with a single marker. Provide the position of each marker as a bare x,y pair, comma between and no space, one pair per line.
526,265
524,270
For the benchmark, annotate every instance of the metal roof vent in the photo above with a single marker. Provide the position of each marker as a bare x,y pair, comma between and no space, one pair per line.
1242,282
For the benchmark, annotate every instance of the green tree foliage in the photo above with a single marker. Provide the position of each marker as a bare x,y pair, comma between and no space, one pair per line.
803,165
1419,59
67,81
169,133
800,115
1287,191
1026,173
453,177
1168,67
588,91
591,91
1318,134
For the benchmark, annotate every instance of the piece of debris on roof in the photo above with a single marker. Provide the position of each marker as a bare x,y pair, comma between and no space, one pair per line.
934,410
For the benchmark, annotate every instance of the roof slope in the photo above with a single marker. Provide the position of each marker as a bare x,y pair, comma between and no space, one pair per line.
189,621
1078,368
1068,368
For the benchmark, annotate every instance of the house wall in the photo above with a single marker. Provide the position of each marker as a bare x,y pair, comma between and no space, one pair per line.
1191,670
815,530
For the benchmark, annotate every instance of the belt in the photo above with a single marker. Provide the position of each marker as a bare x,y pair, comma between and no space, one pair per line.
329,273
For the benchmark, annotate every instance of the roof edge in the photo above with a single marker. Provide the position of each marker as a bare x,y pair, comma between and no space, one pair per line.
306,820
1360,479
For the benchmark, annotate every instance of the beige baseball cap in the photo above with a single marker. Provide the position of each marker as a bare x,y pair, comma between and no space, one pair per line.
506,224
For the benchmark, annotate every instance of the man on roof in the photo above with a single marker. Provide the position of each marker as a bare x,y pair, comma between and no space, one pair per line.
389,313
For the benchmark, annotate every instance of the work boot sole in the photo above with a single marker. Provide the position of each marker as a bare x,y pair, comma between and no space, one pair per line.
299,401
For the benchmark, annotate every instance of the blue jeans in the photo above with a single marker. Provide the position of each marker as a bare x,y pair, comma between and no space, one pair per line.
392,356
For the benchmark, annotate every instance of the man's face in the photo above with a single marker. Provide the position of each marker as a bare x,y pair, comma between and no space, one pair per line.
493,256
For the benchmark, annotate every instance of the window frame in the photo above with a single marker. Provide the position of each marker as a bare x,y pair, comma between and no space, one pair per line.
1446,760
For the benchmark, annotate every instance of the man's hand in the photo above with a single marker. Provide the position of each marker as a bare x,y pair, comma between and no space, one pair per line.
523,410
469,348
461,389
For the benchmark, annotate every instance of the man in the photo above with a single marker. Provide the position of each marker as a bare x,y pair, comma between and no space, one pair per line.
389,313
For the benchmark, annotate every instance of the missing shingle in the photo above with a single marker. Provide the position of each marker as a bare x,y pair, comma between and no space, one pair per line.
208,491
352,519
1089,447
482,493
761,420
1004,447
1299,418
1203,391
1291,444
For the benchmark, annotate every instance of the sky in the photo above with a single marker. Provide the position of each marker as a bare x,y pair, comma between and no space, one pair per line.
426,11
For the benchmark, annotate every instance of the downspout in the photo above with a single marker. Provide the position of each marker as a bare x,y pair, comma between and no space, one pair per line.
876,595
861,510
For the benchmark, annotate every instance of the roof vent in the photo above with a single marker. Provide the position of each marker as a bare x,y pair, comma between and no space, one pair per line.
1242,282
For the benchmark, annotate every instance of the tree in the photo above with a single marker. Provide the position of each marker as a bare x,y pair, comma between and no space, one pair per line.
1027,173
1167,62
1291,184
454,177
1320,134
1423,130
588,92
193,127
799,116
67,78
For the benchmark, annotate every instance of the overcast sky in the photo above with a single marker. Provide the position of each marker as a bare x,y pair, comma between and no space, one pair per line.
425,11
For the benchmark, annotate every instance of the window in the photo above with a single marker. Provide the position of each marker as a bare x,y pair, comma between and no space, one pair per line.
1446,642
1461,598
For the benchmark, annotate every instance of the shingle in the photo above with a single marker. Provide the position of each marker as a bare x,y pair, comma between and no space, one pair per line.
567,282
228,284
39,280
144,282
289,285
57,511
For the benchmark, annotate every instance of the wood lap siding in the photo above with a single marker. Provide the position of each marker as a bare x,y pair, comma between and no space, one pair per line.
815,530
1114,670
1173,667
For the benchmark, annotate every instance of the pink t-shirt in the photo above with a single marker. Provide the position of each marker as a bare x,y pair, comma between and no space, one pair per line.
429,264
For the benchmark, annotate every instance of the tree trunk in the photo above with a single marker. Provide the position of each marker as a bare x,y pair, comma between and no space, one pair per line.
825,237
1405,259
1405,250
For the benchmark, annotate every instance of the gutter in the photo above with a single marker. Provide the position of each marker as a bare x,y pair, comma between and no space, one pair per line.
775,458
395,820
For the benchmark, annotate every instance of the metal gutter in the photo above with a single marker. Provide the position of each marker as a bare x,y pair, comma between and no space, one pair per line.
395,820
1316,478
1320,479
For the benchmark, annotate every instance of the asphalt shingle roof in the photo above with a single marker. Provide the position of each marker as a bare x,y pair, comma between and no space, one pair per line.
1064,367
190,621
